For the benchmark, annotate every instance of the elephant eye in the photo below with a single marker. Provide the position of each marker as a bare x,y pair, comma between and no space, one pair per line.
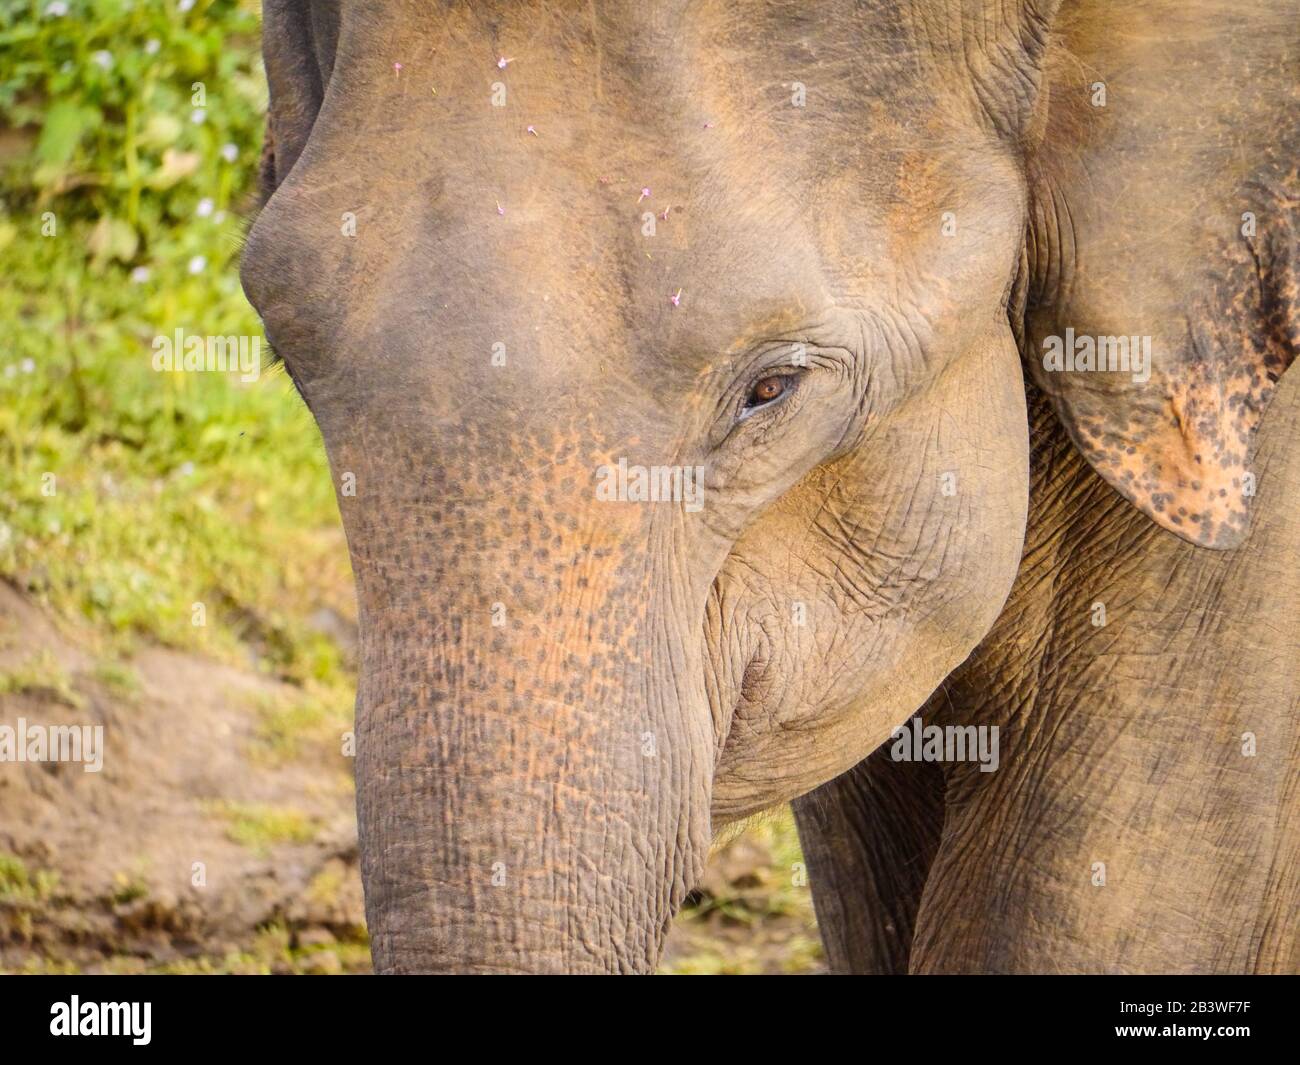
766,391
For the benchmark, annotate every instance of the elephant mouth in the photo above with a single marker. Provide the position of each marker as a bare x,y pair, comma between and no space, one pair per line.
753,690
756,680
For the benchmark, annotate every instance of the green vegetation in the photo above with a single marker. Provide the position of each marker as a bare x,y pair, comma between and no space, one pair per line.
127,889
276,949
19,885
24,893
754,913
288,724
41,674
261,827
778,887
193,509
121,680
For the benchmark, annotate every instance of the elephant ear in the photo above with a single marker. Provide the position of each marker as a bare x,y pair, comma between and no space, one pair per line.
1162,169
299,39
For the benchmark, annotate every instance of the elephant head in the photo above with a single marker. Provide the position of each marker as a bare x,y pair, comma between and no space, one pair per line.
666,361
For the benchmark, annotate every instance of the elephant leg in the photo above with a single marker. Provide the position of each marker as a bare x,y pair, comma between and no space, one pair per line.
869,837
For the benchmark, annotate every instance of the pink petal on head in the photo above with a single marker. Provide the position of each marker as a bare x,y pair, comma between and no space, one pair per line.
532,131
502,61
645,193
676,298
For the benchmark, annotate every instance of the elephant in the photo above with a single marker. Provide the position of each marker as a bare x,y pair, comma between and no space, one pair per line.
713,389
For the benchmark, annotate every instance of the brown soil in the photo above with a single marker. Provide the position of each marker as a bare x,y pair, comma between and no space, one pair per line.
181,754
100,869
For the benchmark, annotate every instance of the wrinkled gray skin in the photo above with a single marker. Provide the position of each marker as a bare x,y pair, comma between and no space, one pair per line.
561,697
1120,745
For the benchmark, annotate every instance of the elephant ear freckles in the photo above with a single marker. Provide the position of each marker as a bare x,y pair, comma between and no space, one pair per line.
1178,446
1165,211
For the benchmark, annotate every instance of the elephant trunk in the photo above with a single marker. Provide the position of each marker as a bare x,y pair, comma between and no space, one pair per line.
531,797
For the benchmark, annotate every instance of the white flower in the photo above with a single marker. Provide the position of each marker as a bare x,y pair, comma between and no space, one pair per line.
198,264
229,153
151,46
198,115
56,9
220,216
27,365
140,275
102,59
204,207
184,6
11,370
186,468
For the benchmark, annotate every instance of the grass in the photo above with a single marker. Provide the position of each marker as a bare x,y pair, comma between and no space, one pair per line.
779,888
127,889
41,674
799,954
290,723
260,827
190,509
119,678
19,884
761,921
274,949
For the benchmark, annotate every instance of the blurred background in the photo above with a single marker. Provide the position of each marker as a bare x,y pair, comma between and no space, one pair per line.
172,565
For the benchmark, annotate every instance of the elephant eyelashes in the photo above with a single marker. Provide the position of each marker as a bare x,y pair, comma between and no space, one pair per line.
766,391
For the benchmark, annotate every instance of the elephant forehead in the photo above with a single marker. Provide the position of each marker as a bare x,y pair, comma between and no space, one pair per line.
646,260
629,195
546,267
573,118
649,59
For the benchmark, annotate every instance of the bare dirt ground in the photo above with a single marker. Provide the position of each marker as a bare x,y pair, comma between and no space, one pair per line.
211,843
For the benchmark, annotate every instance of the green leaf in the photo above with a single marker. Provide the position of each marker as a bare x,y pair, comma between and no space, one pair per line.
176,166
65,125
161,130
113,238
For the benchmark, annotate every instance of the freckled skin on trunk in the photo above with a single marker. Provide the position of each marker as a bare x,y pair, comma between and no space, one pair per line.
526,788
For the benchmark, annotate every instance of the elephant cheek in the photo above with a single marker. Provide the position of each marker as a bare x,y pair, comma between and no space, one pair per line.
914,546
